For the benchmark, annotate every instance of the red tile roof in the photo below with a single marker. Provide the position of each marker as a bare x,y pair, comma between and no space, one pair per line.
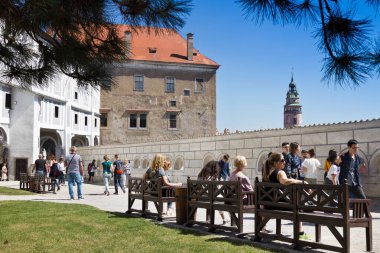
170,47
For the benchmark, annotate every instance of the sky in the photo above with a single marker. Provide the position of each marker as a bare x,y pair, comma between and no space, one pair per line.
257,62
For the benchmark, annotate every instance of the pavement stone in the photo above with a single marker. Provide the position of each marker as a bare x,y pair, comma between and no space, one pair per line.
94,196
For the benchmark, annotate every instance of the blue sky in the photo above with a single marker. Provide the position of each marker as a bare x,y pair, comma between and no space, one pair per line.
256,65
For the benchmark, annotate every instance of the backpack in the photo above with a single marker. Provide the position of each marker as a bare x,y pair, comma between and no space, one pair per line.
89,167
119,167
54,171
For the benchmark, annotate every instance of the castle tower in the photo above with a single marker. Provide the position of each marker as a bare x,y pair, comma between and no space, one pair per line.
292,108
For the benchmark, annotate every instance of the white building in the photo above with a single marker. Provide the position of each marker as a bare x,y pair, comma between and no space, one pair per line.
46,120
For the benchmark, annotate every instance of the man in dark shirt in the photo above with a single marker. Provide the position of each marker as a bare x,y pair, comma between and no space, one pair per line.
224,167
349,170
40,165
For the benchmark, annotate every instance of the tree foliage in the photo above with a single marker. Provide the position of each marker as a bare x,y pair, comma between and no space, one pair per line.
351,53
42,38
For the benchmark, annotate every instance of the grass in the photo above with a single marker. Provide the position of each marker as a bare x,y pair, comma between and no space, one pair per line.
11,191
29,226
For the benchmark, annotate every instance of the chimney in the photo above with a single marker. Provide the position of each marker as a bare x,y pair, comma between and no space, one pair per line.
127,36
190,46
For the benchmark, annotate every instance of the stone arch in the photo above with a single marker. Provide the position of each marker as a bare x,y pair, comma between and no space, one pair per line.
179,163
145,163
260,162
79,141
374,164
3,136
207,158
136,163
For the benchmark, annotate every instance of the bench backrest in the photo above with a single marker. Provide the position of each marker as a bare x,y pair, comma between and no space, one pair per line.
201,190
274,196
226,191
135,185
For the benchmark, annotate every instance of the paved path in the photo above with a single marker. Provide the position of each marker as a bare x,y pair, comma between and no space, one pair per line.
93,195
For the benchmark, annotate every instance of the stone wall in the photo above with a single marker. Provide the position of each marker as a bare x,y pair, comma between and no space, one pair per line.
189,155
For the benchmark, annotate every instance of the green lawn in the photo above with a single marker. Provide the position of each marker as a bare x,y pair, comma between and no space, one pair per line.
11,191
28,226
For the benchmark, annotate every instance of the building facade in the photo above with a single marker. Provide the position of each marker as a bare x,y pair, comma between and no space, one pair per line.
292,107
46,120
166,90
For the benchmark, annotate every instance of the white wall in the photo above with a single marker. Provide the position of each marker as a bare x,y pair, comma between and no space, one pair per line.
255,146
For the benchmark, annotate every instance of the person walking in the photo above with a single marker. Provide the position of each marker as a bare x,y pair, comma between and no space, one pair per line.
310,167
117,175
54,174
74,165
224,167
4,171
349,170
107,174
91,170
62,171
40,165
127,172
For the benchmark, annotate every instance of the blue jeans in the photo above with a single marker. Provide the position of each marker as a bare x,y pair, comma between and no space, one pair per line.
77,178
118,180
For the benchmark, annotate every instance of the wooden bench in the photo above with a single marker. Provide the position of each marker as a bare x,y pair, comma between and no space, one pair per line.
24,181
149,190
41,184
321,205
226,196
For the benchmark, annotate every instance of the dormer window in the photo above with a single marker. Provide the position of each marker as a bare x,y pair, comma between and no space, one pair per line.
152,50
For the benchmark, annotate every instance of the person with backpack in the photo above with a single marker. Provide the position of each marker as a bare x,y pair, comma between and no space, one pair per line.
91,170
54,173
118,174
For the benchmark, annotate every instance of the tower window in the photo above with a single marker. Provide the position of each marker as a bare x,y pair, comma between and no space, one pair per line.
85,120
139,83
169,87
56,111
173,121
8,101
75,118
103,120
173,103
96,122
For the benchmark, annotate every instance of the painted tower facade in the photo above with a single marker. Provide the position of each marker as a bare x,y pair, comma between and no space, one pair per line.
292,107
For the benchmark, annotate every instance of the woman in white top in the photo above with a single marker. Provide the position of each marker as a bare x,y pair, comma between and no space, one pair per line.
333,173
62,171
310,167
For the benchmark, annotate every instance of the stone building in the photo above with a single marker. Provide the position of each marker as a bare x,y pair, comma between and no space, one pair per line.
165,90
45,120
189,155
292,107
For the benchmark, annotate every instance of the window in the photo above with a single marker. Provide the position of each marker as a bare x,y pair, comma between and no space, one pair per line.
8,101
103,120
138,120
169,87
133,120
75,118
199,85
75,95
85,120
186,93
172,121
56,111
139,82
143,120
173,103
96,122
